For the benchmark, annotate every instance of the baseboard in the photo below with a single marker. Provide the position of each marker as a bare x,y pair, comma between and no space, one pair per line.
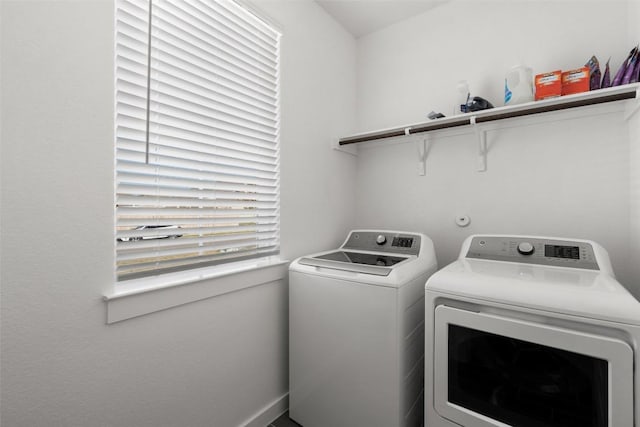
269,413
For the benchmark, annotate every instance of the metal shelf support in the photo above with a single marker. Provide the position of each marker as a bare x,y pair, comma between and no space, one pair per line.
636,106
481,135
423,145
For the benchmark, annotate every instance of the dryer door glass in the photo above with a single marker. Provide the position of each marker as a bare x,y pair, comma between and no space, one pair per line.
491,370
525,384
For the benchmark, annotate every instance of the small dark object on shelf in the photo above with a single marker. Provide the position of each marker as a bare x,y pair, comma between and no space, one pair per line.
594,73
478,103
433,115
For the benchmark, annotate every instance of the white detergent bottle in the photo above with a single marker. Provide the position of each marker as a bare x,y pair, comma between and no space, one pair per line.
518,85
462,99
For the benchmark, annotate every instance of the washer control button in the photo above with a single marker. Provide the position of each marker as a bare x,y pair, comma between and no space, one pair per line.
381,239
525,248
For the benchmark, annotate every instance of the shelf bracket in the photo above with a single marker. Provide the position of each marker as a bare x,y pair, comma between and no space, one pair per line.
349,149
423,145
631,111
481,135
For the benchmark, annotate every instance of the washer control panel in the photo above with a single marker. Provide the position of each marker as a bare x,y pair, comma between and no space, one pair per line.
383,241
531,250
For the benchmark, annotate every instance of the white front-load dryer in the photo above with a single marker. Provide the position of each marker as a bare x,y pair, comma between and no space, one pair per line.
531,332
356,331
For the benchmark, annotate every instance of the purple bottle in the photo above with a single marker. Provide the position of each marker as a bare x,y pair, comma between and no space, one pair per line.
617,80
631,69
606,78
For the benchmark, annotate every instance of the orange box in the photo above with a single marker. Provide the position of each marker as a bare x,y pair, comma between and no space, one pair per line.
575,81
548,85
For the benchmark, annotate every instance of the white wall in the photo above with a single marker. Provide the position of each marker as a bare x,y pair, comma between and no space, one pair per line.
318,105
634,138
216,362
565,178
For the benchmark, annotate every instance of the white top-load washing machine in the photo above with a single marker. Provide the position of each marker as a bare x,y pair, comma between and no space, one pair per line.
531,332
356,331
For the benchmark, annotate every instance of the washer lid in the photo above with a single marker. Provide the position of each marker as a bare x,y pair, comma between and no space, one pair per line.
361,262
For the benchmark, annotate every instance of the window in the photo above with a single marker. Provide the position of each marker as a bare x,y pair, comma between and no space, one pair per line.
197,128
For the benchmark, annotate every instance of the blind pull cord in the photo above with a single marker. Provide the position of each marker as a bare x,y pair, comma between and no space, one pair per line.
146,155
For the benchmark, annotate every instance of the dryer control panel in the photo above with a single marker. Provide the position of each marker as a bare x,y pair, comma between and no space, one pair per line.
534,250
383,241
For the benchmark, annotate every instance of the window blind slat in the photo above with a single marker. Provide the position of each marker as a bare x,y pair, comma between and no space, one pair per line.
211,110
133,7
220,188
132,67
222,90
139,250
224,180
171,253
231,172
196,151
132,49
171,39
167,155
133,89
193,117
190,236
221,156
131,129
133,18
171,200
201,35
138,217
194,254
163,125
221,217
218,96
129,271
132,136
198,184
221,86
222,198
166,50
240,23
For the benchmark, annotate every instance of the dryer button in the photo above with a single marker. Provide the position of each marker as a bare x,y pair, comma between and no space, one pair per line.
525,248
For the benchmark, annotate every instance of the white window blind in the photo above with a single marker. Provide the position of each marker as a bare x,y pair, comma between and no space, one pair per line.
197,128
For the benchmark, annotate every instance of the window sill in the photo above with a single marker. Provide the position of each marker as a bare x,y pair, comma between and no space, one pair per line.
138,297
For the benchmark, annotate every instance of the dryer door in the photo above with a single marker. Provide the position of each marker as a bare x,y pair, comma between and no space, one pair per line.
497,371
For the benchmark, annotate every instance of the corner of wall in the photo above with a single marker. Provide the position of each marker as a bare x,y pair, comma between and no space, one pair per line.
269,413
634,204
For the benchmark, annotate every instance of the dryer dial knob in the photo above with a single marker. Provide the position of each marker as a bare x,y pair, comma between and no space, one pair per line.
381,239
525,248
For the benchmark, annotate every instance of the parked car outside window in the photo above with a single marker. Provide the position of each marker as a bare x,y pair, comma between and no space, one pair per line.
170,234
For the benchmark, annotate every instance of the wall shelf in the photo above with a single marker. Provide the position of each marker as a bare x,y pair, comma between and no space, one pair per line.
475,119
618,93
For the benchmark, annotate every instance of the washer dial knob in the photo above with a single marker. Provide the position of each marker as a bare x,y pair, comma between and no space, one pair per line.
525,248
381,239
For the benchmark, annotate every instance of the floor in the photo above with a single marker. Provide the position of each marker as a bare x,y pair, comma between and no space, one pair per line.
284,421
